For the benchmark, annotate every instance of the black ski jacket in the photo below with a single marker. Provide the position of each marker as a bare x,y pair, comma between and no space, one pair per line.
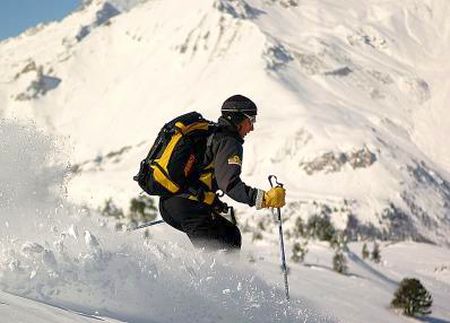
224,156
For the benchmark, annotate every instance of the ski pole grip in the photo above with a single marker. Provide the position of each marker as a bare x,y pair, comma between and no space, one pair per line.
271,177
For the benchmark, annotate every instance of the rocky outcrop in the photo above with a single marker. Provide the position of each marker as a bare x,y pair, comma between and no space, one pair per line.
334,161
276,56
40,82
237,8
102,17
98,162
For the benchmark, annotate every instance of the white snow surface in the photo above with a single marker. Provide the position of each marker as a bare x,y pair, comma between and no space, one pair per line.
64,256
63,263
331,79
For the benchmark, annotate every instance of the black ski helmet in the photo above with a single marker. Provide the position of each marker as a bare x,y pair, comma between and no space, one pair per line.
237,107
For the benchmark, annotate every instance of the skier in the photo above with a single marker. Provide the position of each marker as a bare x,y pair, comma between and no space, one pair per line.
222,163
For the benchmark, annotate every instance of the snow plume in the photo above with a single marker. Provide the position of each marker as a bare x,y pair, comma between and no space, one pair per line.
32,173
62,255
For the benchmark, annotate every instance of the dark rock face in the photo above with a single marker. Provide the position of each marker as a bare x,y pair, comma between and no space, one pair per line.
333,162
238,9
424,175
344,71
277,56
102,17
40,85
107,12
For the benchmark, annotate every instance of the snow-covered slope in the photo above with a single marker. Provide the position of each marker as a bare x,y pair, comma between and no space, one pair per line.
66,256
63,263
352,98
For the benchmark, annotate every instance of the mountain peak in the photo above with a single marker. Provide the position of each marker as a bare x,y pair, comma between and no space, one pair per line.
237,9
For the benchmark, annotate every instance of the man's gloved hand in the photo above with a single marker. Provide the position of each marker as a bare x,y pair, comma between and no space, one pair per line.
275,197
219,206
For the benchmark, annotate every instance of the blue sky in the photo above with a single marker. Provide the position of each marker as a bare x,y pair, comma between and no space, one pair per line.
18,15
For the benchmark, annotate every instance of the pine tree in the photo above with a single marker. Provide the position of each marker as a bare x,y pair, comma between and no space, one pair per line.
257,235
376,255
299,251
111,209
320,227
340,262
365,251
412,297
339,241
299,228
142,209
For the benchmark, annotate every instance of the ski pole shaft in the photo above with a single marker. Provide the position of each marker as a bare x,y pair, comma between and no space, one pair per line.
147,224
283,255
233,218
280,232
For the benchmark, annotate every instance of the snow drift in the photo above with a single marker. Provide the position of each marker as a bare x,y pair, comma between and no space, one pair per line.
66,256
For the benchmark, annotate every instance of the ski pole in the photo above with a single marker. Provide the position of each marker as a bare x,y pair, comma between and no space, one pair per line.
146,224
280,231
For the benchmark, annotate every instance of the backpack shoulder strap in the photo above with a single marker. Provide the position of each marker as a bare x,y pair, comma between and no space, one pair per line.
214,128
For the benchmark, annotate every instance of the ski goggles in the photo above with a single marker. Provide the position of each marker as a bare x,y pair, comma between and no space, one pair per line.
251,118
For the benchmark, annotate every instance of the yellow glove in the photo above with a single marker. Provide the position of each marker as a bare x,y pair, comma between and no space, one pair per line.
275,197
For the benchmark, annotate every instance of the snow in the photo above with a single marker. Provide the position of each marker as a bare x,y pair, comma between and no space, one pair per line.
111,274
48,267
332,81
380,101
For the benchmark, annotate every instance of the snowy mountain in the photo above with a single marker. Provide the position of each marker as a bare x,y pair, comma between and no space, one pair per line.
352,98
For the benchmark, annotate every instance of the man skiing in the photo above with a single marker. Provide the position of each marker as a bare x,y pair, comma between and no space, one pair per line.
221,164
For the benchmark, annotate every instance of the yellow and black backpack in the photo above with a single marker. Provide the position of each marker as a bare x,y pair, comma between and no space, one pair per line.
175,155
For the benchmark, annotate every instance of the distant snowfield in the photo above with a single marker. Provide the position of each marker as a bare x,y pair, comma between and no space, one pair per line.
353,100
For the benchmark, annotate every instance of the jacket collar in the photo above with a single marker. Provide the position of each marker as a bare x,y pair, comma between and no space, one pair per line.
229,127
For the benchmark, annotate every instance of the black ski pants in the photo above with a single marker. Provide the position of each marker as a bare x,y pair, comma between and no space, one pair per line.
204,228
